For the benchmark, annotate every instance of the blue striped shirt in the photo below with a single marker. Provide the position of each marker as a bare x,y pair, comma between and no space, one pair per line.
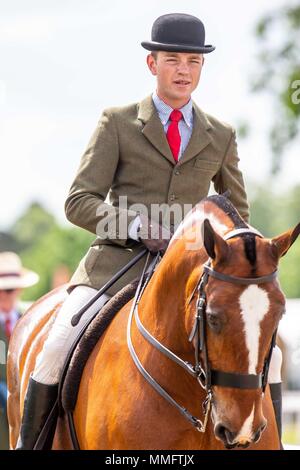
185,125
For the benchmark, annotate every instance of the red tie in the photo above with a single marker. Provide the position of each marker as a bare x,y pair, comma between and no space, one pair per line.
173,135
8,327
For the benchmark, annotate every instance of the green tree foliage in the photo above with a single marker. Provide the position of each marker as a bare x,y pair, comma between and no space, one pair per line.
32,225
279,74
272,215
59,246
44,245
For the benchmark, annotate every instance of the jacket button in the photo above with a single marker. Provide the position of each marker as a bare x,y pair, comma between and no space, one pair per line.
177,172
172,197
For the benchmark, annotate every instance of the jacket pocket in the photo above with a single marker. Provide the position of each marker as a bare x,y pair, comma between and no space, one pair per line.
209,165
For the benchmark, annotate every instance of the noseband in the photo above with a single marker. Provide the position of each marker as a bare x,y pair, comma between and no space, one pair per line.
202,371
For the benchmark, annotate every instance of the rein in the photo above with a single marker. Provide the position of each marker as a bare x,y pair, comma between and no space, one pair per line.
206,376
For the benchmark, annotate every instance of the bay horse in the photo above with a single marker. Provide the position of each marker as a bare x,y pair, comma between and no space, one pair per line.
117,408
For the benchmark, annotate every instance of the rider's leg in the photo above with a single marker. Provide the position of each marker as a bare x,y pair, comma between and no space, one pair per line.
275,384
43,385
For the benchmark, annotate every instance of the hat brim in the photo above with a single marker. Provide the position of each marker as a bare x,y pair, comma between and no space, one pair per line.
26,279
158,46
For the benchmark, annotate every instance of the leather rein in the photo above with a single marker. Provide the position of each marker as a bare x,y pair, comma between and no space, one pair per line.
201,370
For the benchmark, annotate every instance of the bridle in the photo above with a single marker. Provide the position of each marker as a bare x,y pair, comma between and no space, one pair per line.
202,371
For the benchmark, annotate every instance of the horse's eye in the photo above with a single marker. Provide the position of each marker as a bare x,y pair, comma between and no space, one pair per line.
214,322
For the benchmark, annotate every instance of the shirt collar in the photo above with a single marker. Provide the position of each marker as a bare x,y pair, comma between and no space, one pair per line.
164,110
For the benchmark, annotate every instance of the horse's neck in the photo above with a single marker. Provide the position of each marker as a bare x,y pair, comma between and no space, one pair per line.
163,304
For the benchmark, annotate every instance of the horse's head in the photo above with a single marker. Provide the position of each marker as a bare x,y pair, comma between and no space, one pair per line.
240,321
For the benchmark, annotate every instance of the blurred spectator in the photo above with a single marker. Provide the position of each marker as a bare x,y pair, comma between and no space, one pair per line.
13,278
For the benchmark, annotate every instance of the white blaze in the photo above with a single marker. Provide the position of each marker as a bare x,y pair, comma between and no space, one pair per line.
254,302
246,430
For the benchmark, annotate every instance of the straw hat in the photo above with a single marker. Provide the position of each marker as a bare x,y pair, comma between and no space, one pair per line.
12,274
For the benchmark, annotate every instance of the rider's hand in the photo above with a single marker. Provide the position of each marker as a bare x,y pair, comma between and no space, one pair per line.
153,235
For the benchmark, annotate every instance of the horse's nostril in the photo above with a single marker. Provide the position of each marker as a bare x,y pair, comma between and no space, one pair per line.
263,426
259,432
224,434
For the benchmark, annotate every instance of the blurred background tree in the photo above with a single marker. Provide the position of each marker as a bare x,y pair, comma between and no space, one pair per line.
279,74
44,246
273,214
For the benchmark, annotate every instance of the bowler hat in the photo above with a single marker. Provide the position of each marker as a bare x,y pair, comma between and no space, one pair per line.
178,32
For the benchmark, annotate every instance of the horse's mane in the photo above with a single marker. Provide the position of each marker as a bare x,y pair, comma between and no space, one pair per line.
222,202
249,239
228,208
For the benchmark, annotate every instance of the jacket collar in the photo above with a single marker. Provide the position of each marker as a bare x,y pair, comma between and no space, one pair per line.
153,130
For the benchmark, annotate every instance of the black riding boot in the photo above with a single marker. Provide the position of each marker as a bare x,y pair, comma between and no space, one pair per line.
276,395
38,408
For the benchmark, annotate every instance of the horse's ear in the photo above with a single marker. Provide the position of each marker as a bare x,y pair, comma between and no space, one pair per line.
283,242
215,246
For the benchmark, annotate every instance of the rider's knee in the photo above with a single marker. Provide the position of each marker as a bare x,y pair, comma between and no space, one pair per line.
275,366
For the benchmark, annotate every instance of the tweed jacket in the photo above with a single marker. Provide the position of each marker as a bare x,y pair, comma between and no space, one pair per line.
129,156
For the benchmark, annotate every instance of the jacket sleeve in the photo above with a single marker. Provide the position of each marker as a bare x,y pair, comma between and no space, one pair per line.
85,205
230,177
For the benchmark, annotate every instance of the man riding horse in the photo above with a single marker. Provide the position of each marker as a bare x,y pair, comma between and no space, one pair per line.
162,151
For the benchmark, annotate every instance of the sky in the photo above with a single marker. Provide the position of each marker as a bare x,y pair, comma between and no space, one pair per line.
63,62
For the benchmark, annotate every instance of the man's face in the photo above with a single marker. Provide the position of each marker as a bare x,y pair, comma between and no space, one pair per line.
8,299
178,74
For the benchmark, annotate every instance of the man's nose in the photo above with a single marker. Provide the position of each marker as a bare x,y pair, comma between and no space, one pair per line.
183,67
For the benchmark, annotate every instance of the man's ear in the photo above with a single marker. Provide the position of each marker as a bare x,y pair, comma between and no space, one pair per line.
215,246
151,62
283,242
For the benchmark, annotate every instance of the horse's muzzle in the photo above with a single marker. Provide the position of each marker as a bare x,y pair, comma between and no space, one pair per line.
232,439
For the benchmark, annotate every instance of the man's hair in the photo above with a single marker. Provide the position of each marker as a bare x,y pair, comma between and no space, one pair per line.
154,54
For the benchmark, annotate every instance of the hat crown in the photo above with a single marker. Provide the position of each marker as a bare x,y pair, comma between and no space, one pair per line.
178,32
178,27
10,263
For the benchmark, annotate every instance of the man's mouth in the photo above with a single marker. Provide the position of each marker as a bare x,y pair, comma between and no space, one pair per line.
182,82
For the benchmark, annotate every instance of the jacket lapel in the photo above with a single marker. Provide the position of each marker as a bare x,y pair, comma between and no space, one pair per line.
153,129
200,137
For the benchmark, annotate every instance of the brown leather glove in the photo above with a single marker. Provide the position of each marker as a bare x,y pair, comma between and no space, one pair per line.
154,236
